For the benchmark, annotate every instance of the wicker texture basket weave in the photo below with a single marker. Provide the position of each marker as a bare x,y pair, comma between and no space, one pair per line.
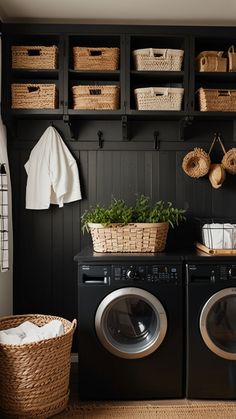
34,378
34,57
96,97
151,59
159,98
139,237
232,58
217,100
96,58
196,163
34,96
211,61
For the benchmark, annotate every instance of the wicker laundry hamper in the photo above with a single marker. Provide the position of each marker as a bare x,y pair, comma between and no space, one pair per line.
131,237
211,61
34,377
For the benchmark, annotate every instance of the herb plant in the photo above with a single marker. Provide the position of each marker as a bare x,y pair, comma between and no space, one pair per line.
143,211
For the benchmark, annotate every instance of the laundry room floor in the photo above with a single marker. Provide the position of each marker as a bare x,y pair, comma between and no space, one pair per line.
144,409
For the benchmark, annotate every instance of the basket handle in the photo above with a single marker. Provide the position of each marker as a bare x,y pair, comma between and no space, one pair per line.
74,324
95,92
204,60
155,92
157,53
95,53
231,49
222,92
34,52
33,89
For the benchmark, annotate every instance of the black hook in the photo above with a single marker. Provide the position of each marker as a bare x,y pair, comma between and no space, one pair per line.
156,141
51,124
100,140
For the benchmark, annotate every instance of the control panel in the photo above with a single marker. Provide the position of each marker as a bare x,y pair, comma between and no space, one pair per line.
148,273
210,273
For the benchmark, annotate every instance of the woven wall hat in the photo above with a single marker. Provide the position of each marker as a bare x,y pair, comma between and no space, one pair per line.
217,175
196,163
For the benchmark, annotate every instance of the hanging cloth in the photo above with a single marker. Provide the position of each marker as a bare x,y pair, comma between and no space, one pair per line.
53,176
4,229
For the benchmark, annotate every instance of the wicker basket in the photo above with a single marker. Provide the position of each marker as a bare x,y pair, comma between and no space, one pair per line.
211,61
34,378
96,97
34,96
139,237
150,59
196,163
34,57
217,100
159,98
232,58
96,58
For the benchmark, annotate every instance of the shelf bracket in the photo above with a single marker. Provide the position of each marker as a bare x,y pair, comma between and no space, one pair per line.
183,124
125,128
67,121
156,141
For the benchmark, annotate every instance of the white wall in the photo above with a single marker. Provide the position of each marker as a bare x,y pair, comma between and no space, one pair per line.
6,278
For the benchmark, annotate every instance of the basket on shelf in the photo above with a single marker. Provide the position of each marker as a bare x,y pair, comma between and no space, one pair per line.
132,237
217,100
216,236
159,98
152,59
34,379
232,58
34,57
211,61
96,97
86,58
34,96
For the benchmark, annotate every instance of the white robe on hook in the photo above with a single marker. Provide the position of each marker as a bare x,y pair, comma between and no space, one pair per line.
52,171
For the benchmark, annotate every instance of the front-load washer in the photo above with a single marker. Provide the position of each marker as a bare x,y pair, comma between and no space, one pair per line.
211,328
130,327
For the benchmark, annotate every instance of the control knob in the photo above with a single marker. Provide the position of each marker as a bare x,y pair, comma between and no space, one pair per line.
131,274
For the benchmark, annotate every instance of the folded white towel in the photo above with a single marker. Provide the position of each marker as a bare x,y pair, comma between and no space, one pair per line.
29,332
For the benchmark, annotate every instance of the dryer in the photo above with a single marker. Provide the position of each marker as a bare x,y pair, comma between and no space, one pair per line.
130,334
211,328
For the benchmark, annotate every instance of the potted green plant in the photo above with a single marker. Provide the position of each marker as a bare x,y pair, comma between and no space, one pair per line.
119,227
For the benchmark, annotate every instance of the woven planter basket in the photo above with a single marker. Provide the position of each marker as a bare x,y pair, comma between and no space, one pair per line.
96,58
196,163
211,61
229,161
34,378
138,237
96,97
34,96
151,59
34,57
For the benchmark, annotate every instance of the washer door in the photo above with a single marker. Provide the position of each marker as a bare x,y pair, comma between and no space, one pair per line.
218,323
131,323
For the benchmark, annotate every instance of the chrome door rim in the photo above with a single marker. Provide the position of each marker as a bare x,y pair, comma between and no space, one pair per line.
203,319
148,298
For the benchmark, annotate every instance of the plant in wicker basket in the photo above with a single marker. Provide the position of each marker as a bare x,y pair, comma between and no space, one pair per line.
123,228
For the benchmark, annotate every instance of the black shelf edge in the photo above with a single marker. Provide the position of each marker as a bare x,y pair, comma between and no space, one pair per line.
159,74
177,115
96,72
216,75
213,115
35,113
95,114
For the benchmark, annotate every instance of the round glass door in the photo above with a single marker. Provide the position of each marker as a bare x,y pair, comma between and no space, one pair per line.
218,323
131,323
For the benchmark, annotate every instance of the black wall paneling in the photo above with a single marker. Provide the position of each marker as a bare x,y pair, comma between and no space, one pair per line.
140,152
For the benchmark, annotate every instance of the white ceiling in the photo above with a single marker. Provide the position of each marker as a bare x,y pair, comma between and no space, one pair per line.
166,12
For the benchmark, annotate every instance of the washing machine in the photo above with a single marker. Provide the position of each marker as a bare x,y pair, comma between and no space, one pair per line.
130,326
211,328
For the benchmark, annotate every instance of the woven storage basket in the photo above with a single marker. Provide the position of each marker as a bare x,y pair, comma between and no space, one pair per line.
151,59
229,161
196,163
232,58
34,96
34,378
96,58
36,57
139,237
211,61
96,97
217,100
159,98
